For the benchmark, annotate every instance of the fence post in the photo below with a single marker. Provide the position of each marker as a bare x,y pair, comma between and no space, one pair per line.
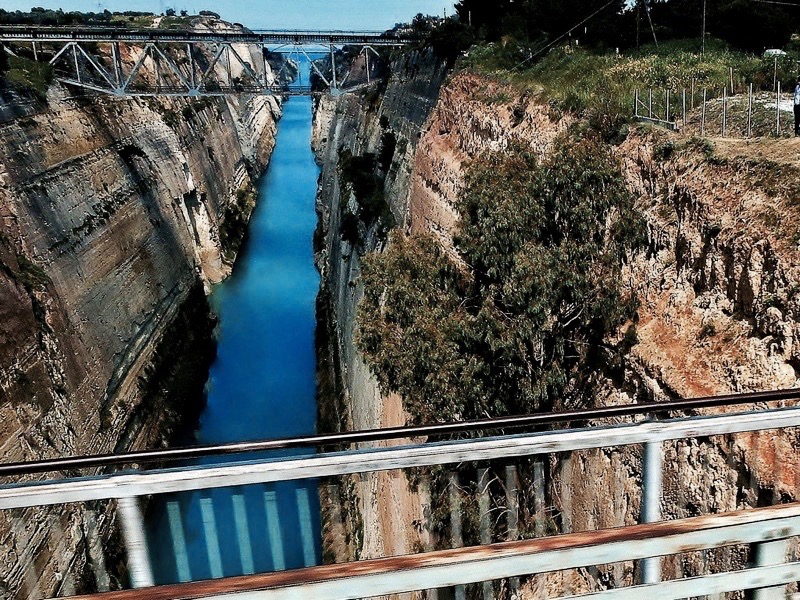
775,76
650,103
750,110
667,103
692,100
684,108
724,111
732,91
136,542
703,115
636,102
778,111
652,477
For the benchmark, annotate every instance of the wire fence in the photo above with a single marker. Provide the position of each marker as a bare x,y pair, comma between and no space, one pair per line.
714,112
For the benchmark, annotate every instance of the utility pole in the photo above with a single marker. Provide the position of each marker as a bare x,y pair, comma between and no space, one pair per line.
703,43
650,20
638,21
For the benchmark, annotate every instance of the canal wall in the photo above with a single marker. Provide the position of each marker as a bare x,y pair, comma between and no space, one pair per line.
116,216
377,507
717,284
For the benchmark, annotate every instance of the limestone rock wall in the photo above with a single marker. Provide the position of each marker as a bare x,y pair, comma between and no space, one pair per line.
380,504
718,285
110,219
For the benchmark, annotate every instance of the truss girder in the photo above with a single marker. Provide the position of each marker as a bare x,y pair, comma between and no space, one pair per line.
75,65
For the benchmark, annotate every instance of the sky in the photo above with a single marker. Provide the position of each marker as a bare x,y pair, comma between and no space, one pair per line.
269,14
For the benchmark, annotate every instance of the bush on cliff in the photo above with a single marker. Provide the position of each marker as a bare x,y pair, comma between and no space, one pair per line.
27,76
358,173
519,316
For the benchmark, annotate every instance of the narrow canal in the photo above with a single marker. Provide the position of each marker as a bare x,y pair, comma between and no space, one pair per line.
261,385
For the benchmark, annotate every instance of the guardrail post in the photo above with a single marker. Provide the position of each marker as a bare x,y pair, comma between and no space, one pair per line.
136,542
512,516
485,521
768,554
651,503
457,540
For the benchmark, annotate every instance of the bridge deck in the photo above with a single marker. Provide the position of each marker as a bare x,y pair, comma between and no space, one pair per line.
138,36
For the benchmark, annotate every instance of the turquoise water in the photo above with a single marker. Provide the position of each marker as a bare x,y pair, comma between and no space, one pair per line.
261,385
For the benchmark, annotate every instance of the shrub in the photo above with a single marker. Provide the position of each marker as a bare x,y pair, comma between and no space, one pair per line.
357,173
388,146
519,318
29,76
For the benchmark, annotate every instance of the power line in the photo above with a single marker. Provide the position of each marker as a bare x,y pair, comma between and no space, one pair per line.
565,34
792,4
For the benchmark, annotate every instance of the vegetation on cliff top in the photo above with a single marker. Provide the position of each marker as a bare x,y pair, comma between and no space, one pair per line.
579,79
590,52
520,315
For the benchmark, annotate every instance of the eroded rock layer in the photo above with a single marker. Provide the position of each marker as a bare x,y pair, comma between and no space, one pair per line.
115,216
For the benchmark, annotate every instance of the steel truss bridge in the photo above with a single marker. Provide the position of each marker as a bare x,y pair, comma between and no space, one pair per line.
187,63
771,531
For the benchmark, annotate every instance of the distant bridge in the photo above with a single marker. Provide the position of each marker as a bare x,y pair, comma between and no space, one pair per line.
91,58
769,530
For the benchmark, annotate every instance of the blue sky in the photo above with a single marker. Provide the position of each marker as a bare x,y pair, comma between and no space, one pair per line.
270,14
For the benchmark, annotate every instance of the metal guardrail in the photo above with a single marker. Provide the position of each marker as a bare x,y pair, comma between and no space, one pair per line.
770,527
128,487
396,433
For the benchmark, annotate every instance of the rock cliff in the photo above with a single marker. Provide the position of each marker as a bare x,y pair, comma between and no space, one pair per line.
718,285
350,396
115,215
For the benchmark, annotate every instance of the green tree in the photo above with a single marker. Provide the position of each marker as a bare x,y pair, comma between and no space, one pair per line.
519,317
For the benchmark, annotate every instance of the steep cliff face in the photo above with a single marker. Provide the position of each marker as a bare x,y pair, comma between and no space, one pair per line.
353,400
718,285
115,215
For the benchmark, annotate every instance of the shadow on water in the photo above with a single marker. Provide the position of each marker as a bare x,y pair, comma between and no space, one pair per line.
261,385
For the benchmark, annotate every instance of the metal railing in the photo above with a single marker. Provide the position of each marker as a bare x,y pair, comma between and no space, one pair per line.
129,488
29,33
770,528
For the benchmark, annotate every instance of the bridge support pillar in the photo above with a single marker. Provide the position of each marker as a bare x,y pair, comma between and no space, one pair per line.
333,65
136,543
651,503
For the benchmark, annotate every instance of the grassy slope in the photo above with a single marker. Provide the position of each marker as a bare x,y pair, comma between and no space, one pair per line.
579,79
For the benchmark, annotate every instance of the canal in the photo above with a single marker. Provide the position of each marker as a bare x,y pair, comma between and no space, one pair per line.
261,385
